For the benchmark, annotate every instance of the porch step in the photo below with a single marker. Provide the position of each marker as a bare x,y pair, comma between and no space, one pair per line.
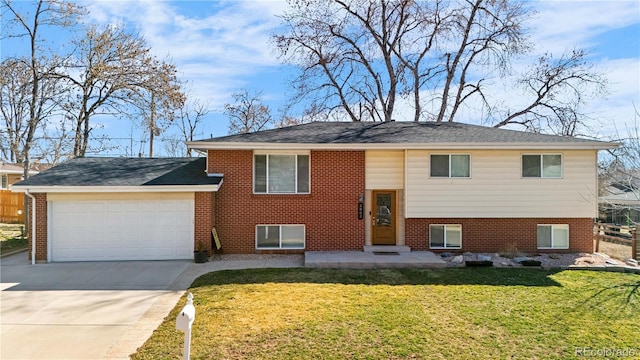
387,248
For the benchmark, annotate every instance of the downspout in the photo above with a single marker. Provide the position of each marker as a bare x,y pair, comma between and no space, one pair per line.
33,226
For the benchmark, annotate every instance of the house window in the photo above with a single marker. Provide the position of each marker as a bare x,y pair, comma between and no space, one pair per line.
450,165
553,236
281,174
5,181
542,166
280,237
445,236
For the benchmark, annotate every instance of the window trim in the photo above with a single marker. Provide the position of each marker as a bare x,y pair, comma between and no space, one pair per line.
449,171
554,247
304,237
541,155
279,153
445,237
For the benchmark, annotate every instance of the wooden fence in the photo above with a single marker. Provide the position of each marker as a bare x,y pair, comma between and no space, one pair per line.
619,235
11,207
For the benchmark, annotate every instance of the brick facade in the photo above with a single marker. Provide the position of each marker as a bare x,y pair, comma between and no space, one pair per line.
498,234
329,212
203,222
41,227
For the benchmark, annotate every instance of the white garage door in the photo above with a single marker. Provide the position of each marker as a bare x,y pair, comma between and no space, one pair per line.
121,230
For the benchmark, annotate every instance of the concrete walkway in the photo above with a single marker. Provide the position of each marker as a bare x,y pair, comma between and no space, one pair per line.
372,260
96,310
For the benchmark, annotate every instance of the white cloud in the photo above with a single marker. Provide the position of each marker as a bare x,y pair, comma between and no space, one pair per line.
216,46
561,25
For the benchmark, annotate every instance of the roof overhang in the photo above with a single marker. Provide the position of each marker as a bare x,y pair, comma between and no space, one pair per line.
17,172
118,189
596,145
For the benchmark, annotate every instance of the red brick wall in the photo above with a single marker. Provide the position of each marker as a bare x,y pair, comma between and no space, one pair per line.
203,222
496,234
329,212
41,227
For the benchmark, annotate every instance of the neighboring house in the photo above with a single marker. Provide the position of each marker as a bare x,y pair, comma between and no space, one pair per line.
11,204
619,201
11,173
327,186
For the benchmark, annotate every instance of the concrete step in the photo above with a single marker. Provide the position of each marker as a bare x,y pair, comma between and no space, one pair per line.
387,248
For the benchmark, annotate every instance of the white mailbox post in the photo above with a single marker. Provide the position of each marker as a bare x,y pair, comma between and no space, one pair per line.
184,321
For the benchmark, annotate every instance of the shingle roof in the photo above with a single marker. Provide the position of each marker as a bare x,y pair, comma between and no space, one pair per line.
395,132
125,172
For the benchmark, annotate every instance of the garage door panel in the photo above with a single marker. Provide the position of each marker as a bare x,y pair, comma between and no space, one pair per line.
121,230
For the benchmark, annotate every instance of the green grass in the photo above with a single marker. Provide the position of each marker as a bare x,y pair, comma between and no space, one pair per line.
481,313
11,238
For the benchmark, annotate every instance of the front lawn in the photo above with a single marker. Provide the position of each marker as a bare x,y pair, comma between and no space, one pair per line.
11,237
464,313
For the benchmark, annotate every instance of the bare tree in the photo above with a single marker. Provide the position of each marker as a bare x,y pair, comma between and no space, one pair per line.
47,13
358,58
247,113
162,98
189,118
55,144
15,78
112,72
557,89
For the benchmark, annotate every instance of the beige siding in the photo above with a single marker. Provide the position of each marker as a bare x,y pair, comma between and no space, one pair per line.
118,196
384,169
496,188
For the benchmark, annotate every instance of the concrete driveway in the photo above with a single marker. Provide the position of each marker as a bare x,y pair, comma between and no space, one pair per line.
89,310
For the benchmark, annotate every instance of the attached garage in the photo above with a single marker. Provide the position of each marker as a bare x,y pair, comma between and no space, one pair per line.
121,227
115,209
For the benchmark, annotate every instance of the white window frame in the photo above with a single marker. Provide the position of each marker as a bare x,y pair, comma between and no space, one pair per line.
552,242
276,153
541,155
445,237
449,171
304,237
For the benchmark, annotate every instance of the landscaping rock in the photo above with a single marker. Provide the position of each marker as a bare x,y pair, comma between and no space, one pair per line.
458,259
611,262
446,254
520,259
632,262
484,257
554,256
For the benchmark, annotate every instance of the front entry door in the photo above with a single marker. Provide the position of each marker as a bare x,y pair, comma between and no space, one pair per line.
383,218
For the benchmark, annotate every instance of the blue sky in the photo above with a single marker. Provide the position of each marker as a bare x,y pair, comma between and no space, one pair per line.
222,46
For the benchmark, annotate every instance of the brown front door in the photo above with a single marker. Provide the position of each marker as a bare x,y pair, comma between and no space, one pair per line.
383,218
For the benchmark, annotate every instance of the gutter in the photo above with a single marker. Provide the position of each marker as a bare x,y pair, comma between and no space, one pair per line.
33,226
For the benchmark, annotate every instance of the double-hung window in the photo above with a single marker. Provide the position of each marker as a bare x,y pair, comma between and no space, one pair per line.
450,165
280,237
542,166
281,173
553,236
445,236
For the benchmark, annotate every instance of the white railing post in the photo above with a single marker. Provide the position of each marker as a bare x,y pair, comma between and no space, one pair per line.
184,322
